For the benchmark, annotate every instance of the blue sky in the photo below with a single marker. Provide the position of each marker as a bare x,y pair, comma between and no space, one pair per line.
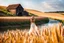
40,5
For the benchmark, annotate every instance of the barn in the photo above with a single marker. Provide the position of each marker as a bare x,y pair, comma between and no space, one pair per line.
16,9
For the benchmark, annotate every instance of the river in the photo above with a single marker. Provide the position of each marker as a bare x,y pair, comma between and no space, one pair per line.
50,23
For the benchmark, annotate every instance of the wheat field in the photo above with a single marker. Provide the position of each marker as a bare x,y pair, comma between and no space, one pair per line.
54,34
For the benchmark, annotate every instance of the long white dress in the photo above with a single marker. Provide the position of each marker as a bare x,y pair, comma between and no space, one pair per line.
33,28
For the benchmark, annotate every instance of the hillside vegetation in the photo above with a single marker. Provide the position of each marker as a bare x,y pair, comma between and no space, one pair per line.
4,11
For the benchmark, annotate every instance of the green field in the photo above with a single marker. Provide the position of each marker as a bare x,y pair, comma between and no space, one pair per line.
20,25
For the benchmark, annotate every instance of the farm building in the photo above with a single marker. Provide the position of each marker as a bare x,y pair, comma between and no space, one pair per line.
16,9
25,13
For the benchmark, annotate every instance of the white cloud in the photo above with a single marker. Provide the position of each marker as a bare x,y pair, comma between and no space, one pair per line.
40,5
44,6
27,4
47,6
1,2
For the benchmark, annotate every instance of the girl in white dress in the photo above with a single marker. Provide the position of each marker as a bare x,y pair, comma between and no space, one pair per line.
33,28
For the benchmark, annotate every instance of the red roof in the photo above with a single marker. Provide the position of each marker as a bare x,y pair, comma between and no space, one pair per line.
13,6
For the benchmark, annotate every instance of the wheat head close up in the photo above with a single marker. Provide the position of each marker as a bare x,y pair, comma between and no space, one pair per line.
54,34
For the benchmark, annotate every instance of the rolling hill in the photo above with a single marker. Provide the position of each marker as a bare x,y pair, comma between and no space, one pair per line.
42,14
3,7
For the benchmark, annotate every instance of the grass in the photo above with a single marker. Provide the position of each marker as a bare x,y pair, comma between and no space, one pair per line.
52,34
20,25
5,23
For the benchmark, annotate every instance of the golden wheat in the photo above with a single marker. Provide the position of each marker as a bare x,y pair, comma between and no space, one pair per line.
48,35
